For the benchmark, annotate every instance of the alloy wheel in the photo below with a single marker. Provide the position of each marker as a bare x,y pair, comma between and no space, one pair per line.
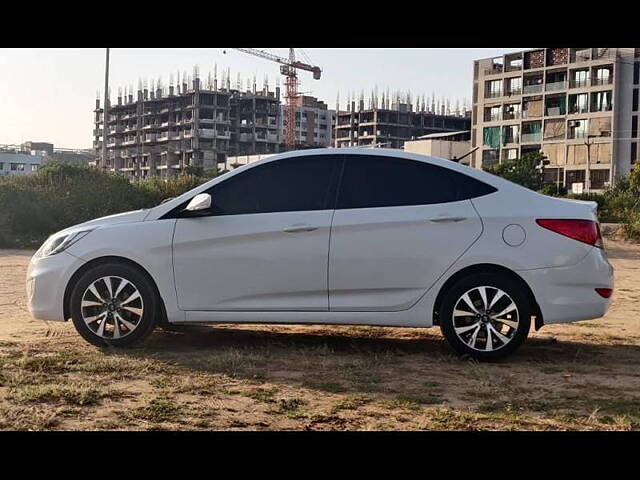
485,318
112,307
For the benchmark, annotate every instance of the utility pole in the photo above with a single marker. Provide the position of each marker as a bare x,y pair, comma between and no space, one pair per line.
105,111
587,180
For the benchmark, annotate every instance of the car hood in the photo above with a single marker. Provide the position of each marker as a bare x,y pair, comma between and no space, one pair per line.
125,217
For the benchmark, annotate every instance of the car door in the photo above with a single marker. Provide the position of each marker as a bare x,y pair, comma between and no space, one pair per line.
264,243
397,227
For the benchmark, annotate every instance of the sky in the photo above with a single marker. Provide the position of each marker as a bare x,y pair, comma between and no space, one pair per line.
48,95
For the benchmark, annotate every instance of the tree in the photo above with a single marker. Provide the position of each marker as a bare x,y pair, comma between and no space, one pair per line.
527,171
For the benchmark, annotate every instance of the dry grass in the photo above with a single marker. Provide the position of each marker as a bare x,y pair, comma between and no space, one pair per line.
582,376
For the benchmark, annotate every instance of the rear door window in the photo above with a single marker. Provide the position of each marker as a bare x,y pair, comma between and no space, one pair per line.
370,181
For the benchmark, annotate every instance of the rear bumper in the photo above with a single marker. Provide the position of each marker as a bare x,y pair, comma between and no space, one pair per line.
567,294
47,279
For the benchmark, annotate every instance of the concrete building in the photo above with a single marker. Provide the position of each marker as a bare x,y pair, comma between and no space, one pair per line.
40,146
13,161
164,130
239,160
451,146
391,127
314,123
573,104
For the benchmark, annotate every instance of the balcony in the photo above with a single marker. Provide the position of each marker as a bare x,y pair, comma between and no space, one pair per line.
579,83
513,91
601,81
575,109
531,137
207,133
511,115
493,117
493,70
554,86
515,138
490,157
554,111
576,134
527,114
528,89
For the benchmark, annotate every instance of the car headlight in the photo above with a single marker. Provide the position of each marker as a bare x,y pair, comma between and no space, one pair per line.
59,242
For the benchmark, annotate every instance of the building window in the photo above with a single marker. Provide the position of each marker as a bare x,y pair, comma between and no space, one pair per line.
580,79
599,179
579,103
494,88
19,167
491,137
634,126
514,86
634,152
493,114
490,157
636,72
511,134
577,128
634,102
601,101
34,167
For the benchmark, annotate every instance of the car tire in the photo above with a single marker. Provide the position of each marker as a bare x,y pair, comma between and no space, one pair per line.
114,304
485,316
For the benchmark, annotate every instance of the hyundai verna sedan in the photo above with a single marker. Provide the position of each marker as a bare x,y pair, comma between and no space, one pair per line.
333,236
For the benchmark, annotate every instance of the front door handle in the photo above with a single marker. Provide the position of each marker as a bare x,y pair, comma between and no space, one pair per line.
447,219
299,227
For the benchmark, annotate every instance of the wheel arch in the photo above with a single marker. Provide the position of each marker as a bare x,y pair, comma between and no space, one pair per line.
488,268
101,261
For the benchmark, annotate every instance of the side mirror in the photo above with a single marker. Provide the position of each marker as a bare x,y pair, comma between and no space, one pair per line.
202,201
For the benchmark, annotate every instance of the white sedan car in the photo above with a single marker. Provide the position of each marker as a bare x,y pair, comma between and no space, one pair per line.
333,236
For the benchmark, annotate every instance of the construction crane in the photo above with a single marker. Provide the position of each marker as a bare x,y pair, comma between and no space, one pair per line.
288,68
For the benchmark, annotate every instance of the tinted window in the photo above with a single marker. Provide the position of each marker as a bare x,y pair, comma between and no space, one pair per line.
289,185
373,181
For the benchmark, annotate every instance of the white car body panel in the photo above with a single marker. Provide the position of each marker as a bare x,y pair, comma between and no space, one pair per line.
305,277
146,243
249,262
387,258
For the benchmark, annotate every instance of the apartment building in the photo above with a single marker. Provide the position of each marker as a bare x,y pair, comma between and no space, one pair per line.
165,130
390,128
578,106
314,122
15,161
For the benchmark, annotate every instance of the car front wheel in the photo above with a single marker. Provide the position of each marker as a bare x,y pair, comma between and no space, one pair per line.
486,316
114,304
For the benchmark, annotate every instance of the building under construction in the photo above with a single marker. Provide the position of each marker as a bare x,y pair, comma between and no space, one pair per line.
396,121
161,131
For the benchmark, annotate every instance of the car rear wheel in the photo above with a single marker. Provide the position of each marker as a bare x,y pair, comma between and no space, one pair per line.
114,304
485,316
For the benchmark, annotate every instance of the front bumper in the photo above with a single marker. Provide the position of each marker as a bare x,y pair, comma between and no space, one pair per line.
567,294
47,278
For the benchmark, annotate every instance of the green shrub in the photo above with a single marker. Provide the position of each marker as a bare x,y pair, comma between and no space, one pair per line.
61,195
553,190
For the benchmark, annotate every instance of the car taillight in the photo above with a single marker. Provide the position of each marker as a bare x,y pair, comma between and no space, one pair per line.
587,231
604,292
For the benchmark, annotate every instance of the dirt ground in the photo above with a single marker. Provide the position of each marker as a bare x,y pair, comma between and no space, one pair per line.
582,376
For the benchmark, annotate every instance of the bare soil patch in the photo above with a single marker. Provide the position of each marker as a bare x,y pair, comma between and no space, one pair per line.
581,376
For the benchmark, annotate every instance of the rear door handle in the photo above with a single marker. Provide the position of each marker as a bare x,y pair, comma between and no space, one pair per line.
299,227
447,219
